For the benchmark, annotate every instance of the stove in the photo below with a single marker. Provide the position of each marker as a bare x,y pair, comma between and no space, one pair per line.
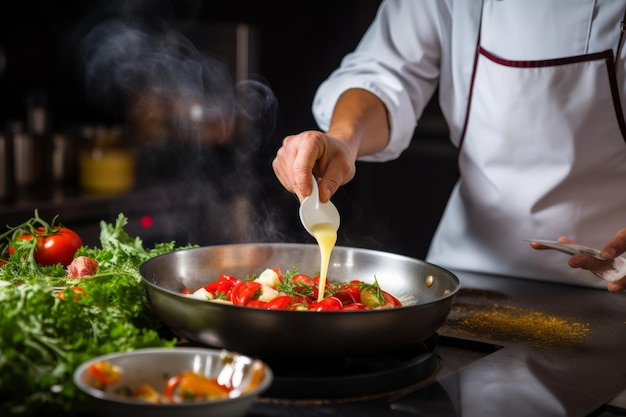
471,369
352,378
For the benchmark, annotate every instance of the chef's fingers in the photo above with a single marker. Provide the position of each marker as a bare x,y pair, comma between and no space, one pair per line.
335,167
616,246
294,161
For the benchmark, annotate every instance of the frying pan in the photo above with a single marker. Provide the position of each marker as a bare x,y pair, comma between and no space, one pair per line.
425,290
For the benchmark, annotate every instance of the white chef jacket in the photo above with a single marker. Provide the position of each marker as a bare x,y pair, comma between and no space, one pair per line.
531,91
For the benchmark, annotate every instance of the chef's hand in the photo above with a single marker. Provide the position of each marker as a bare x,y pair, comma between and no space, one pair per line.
359,126
614,248
317,153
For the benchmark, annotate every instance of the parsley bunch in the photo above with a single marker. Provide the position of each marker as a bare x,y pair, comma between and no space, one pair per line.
43,338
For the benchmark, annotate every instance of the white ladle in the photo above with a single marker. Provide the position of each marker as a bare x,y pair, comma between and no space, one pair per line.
615,273
313,212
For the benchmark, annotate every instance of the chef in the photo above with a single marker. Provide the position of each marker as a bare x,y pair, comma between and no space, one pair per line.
533,94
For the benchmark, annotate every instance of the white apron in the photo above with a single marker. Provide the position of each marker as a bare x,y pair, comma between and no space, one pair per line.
543,155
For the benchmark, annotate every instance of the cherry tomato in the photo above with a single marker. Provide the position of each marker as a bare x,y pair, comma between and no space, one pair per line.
104,372
326,304
244,292
374,298
57,247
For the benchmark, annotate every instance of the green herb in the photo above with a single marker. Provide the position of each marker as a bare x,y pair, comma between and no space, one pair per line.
43,338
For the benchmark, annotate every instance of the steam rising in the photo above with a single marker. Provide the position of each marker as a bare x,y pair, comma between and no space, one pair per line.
198,131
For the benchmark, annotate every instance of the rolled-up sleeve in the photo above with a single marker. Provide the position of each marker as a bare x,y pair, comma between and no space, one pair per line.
397,60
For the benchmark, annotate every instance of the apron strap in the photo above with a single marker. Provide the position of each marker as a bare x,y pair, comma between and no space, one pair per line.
471,89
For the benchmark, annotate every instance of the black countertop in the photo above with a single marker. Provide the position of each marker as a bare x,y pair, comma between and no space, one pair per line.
526,348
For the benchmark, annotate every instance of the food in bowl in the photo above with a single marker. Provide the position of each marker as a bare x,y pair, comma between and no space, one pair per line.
180,381
273,290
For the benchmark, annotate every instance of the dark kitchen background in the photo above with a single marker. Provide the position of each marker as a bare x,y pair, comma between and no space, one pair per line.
171,112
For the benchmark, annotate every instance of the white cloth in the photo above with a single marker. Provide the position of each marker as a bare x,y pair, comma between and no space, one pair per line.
542,155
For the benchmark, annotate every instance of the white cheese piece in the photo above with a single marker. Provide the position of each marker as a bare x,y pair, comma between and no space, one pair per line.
268,293
202,294
268,277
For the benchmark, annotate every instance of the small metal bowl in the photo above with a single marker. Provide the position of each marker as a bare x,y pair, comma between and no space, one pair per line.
155,366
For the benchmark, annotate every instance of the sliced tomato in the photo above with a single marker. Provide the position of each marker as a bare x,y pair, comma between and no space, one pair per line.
391,300
223,286
170,386
353,290
245,292
257,304
104,372
147,393
282,302
226,284
193,386
304,284
326,304
303,279
345,297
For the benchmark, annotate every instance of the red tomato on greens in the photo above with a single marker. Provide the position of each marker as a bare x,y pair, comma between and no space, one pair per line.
57,246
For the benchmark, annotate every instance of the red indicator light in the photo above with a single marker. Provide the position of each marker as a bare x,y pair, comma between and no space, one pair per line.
146,221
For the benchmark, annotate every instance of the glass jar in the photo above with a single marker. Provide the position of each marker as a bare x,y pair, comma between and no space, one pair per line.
107,164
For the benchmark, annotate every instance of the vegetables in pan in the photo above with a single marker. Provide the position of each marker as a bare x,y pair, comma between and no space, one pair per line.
273,290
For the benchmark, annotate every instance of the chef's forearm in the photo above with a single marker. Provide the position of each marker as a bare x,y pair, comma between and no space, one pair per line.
360,120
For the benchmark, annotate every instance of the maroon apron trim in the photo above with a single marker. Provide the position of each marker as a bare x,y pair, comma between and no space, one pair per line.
471,91
617,101
607,56
546,62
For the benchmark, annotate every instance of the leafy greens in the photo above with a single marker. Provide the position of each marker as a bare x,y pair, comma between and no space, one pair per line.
43,338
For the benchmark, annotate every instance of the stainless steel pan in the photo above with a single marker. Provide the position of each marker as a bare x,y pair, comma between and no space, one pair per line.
425,290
